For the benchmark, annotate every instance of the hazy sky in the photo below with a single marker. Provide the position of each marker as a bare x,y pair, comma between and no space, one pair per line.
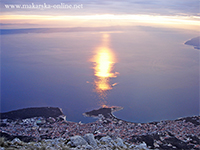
159,7
184,13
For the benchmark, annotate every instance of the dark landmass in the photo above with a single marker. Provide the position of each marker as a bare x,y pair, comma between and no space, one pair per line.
105,112
195,120
54,30
32,112
194,42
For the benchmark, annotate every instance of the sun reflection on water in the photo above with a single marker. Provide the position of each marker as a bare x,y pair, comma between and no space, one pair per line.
104,60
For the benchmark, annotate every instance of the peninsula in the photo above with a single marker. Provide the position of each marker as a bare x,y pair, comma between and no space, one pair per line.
32,112
105,112
194,42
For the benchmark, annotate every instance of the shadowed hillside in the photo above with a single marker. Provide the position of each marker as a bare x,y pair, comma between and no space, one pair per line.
32,112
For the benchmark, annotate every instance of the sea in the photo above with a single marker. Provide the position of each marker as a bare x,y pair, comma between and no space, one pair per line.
148,71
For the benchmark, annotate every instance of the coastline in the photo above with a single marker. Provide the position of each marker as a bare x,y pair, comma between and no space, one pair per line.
182,133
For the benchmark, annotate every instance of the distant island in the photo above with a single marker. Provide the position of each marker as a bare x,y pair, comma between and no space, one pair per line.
194,42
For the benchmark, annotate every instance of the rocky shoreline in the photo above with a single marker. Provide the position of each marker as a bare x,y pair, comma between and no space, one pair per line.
108,132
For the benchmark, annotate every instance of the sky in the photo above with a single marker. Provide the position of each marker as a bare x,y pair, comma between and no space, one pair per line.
158,7
99,13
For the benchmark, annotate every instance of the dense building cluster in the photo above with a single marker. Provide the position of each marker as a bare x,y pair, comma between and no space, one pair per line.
155,134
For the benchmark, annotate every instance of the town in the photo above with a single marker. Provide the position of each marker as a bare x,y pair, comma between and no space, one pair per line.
163,134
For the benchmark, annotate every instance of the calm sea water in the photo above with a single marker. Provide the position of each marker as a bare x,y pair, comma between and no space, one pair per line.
158,75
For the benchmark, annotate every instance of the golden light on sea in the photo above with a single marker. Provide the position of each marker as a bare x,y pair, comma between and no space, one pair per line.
104,61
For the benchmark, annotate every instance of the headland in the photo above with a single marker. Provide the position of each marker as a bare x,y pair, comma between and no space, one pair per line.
104,113
194,42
